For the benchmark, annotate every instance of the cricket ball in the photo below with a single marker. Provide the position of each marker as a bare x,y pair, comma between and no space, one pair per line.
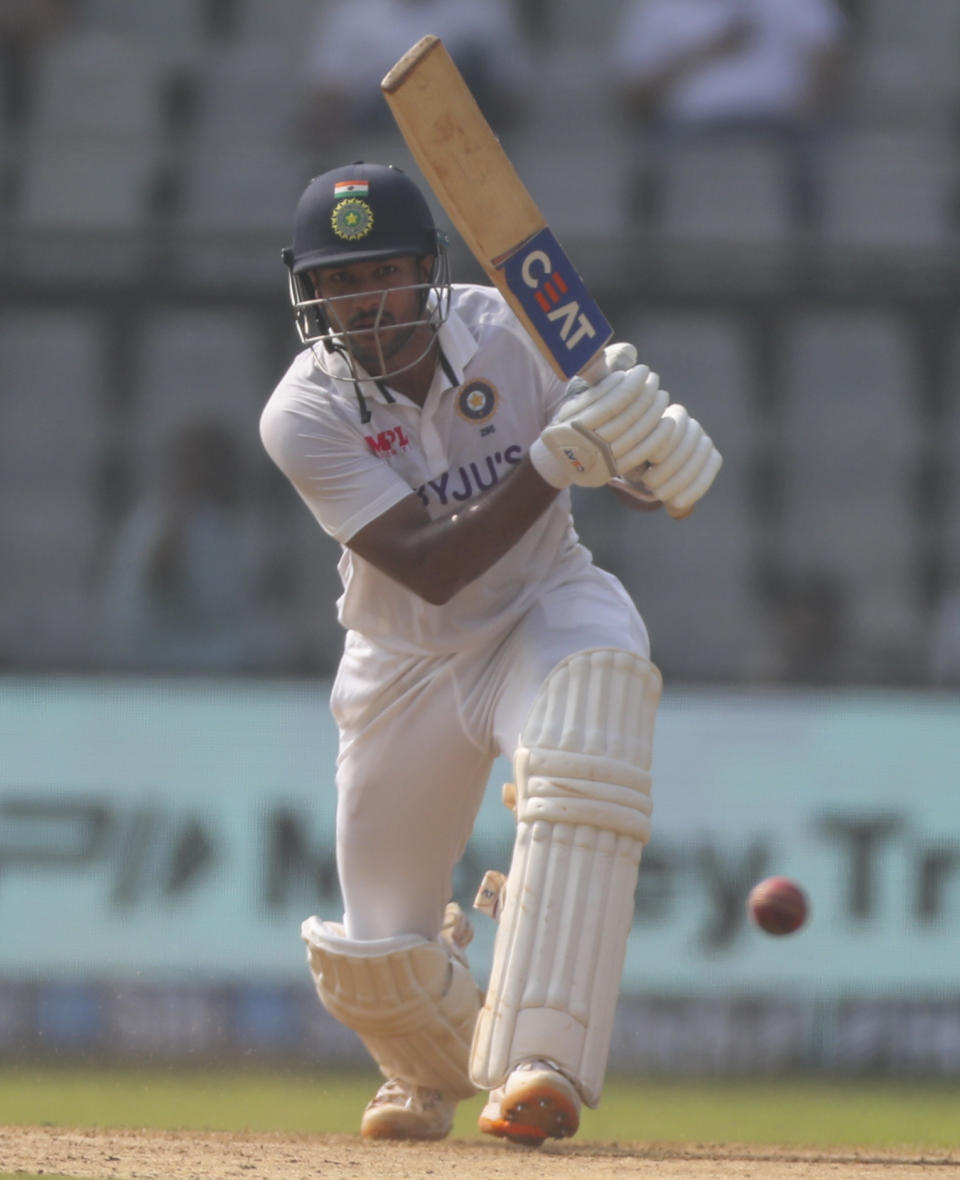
777,905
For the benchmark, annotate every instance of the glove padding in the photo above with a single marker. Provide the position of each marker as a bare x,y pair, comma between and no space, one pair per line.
682,460
601,431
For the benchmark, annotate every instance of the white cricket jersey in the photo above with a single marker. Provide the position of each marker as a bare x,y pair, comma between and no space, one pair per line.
468,435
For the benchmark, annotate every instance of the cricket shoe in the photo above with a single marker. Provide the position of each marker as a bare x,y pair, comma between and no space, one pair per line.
536,1102
402,1111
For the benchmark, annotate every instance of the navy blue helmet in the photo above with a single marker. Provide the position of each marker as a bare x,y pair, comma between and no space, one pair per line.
360,213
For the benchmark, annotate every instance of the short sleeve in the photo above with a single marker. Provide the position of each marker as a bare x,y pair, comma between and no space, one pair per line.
330,466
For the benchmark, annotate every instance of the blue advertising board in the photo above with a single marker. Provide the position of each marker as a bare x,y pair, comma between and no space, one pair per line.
176,829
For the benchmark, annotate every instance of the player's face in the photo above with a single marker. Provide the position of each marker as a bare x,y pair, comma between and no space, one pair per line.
378,306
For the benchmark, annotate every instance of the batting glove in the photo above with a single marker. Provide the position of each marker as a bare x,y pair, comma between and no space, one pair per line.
682,460
600,431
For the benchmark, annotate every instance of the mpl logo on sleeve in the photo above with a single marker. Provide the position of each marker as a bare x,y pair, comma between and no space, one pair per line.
556,301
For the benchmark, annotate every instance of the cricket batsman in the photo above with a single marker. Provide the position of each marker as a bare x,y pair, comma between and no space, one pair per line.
426,433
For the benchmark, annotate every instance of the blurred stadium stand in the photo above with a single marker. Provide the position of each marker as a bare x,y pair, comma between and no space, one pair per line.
148,195
54,434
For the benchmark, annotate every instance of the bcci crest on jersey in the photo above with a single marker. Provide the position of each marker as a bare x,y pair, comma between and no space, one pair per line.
477,400
556,301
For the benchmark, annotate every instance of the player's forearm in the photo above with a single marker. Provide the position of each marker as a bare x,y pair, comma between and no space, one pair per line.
437,558
489,528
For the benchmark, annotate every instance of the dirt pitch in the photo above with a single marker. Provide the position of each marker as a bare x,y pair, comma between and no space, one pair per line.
154,1155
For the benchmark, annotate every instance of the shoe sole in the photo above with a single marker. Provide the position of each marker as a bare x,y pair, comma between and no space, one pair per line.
399,1125
538,1108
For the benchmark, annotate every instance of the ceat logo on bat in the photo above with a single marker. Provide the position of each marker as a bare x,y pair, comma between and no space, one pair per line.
556,301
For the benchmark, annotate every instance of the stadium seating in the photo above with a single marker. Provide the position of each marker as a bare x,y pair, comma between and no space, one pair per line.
198,364
852,438
173,30
705,360
726,191
163,150
888,189
53,414
54,437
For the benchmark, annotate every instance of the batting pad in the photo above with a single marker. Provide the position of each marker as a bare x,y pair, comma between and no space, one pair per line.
582,773
411,1002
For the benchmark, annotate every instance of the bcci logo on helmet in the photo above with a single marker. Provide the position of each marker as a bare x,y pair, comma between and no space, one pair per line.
351,219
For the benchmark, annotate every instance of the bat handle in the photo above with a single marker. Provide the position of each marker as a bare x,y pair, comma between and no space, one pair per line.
595,371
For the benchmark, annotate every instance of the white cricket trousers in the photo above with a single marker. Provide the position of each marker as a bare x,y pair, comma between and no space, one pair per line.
418,737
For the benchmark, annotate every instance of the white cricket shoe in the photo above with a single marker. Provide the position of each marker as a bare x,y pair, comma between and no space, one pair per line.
402,1111
536,1102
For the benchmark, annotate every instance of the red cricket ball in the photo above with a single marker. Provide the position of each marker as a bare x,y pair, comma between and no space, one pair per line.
777,905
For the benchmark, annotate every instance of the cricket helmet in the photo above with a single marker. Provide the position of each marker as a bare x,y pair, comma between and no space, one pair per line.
361,213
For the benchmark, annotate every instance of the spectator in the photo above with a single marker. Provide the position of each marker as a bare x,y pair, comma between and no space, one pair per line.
762,68
355,42
181,590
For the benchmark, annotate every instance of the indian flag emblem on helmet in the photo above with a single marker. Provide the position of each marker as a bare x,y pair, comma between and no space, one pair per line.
351,188
352,219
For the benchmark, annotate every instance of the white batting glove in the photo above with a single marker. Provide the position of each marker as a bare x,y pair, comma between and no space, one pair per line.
683,462
600,430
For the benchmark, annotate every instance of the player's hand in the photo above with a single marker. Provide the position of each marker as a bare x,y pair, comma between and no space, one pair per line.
600,430
682,461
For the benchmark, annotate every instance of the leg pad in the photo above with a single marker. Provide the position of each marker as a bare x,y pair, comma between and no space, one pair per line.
412,1002
582,773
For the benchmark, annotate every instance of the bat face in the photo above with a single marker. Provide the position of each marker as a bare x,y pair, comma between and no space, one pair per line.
562,313
486,200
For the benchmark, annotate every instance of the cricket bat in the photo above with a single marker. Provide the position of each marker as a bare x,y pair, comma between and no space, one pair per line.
472,178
